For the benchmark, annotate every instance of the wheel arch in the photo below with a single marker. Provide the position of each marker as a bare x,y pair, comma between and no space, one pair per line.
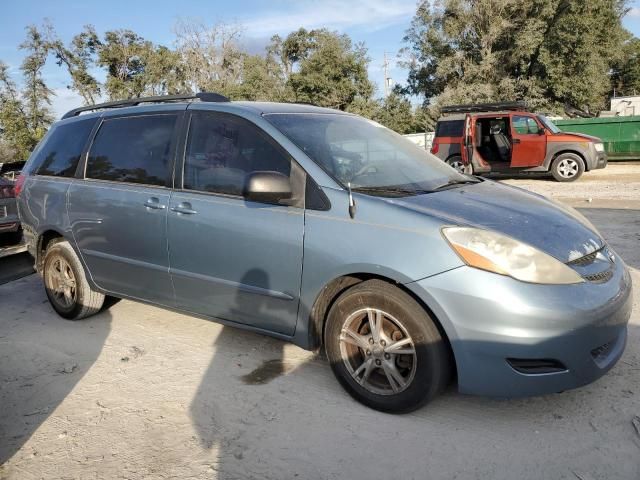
333,289
43,240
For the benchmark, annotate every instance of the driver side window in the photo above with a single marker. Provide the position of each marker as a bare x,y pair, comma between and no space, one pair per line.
525,125
222,149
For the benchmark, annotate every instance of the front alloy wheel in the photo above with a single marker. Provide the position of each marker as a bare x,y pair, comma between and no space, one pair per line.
377,351
385,349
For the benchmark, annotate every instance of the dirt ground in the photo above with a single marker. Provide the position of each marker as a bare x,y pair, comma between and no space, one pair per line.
141,393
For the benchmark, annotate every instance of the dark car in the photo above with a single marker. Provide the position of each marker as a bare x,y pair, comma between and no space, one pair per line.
9,221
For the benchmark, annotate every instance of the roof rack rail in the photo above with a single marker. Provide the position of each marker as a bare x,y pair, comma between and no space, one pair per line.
486,107
202,96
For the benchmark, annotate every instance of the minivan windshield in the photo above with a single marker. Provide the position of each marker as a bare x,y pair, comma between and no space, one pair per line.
370,157
548,124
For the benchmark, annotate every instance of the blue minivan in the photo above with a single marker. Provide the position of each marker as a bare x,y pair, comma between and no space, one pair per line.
328,230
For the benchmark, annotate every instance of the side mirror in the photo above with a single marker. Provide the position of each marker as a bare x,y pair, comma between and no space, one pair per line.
541,131
267,187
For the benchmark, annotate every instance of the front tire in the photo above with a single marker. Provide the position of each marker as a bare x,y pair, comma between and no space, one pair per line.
385,349
66,285
567,167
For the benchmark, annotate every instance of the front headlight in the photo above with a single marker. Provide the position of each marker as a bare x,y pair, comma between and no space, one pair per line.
599,147
504,255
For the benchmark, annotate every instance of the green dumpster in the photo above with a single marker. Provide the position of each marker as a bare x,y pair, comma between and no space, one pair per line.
621,135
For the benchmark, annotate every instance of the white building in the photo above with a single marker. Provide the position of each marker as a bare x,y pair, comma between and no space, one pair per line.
626,106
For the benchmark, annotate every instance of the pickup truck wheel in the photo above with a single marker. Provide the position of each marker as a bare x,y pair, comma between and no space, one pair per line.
385,349
66,285
456,162
567,167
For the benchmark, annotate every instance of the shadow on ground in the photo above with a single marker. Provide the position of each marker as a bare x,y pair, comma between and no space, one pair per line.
42,358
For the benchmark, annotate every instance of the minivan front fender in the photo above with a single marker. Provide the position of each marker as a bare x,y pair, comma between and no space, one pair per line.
383,240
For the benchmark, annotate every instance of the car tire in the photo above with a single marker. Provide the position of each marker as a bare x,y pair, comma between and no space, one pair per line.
456,162
567,167
362,355
66,284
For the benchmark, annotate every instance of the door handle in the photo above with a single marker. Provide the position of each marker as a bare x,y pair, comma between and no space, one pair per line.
516,140
184,208
154,203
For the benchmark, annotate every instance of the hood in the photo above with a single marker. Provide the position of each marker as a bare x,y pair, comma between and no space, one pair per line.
582,135
553,228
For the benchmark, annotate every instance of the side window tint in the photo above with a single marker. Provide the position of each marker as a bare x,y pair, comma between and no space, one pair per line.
133,150
524,125
223,149
59,156
449,128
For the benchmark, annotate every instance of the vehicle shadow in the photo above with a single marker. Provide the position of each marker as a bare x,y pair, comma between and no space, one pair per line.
42,359
212,408
284,415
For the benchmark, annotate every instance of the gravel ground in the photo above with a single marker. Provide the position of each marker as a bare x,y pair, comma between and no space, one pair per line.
617,186
141,393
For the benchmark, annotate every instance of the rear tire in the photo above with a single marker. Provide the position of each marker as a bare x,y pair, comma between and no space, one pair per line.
385,349
567,167
66,285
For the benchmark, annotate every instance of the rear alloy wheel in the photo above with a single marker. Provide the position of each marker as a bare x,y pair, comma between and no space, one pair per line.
385,349
568,167
66,285
456,162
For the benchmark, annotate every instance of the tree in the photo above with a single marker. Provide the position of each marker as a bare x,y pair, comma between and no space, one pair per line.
36,94
625,74
552,53
25,113
136,67
323,67
261,79
210,55
78,58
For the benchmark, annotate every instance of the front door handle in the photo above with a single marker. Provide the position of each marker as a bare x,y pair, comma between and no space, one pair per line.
184,208
154,203
516,140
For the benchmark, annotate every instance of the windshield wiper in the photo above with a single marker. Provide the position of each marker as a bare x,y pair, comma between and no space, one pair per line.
393,191
453,184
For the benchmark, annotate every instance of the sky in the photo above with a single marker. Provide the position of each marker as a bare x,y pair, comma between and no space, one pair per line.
380,24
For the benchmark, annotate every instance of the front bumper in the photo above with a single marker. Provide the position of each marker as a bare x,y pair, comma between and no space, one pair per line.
600,160
490,318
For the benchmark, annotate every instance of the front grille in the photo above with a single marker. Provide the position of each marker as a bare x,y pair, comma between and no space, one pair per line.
3,211
536,366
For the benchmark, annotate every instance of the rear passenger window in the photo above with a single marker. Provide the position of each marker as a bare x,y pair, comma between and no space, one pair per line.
449,128
59,156
223,149
133,150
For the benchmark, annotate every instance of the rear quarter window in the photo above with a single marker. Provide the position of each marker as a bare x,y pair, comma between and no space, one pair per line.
59,154
449,128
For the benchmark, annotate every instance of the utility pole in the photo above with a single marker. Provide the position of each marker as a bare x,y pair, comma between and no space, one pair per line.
387,79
